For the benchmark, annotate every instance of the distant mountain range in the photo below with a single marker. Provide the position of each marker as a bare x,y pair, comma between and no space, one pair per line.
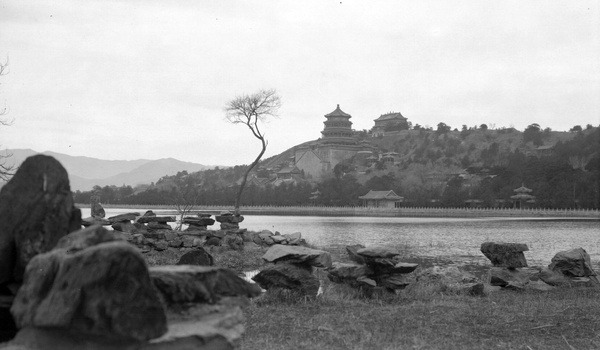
86,172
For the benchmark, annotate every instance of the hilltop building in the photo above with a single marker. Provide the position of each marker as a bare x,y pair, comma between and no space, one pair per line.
336,144
389,121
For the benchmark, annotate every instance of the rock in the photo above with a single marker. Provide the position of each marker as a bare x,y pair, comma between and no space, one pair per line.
124,227
298,255
505,254
86,238
474,289
352,251
171,235
117,300
36,338
348,273
197,242
554,278
204,215
278,239
36,207
123,217
288,276
179,284
196,221
197,257
377,252
389,266
265,238
293,238
512,278
573,263
96,209
160,219
229,226
233,241
161,245
218,327
89,221
213,241
149,213
176,243
392,281
159,226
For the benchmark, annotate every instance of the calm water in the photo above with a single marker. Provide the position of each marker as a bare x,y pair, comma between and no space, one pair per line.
436,237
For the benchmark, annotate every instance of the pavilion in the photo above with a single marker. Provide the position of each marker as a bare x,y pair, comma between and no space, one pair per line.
382,199
522,196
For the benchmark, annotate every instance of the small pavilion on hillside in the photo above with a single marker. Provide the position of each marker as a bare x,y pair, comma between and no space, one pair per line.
522,197
382,199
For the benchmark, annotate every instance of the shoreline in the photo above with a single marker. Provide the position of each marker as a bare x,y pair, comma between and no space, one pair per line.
379,212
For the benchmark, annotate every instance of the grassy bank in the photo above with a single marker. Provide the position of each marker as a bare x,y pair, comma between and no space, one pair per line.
423,316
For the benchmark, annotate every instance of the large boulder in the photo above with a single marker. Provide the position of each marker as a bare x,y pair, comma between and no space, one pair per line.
572,263
92,285
347,273
513,278
352,251
505,254
288,276
298,255
180,284
197,257
36,210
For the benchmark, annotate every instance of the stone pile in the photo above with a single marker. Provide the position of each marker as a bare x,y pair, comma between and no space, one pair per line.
292,269
268,238
510,271
199,223
97,213
152,222
123,304
229,221
375,268
123,222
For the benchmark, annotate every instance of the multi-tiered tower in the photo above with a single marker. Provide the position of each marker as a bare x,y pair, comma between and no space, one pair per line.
338,128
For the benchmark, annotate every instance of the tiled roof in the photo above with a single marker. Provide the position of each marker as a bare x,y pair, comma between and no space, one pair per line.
390,195
390,116
338,113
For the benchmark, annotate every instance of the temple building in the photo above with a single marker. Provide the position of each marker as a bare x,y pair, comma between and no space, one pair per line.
387,121
338,128
337,143
382,199
523,197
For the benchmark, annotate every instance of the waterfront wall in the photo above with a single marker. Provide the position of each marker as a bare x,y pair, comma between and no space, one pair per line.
379,212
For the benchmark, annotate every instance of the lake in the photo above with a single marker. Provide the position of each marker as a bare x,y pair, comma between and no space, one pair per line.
452,238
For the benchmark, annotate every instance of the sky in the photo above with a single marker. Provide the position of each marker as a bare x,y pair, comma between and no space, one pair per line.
149,79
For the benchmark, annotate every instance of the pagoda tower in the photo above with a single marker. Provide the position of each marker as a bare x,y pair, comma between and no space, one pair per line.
338,128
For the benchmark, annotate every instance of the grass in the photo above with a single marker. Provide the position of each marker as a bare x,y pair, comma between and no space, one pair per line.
423,316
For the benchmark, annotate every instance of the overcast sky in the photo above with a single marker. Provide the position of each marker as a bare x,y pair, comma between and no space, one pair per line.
149,79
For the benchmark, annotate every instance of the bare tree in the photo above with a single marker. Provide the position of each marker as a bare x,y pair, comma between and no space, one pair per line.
250,110
6,171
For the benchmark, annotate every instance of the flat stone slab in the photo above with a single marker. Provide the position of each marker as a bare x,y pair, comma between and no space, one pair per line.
378,252
298,255
199,284
191,220
202,327
288,276
147,219
505,254
123,217
89,221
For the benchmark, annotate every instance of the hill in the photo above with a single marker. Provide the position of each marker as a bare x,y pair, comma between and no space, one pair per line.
86,172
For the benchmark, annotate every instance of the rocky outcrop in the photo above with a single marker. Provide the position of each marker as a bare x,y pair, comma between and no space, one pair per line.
117,300
293,269
36,207
229,221
508,255
381,269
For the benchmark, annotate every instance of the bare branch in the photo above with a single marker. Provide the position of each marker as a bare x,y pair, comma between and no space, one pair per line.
250,110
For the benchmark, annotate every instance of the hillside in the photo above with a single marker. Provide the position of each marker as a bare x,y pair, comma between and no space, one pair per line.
451,168
86,172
